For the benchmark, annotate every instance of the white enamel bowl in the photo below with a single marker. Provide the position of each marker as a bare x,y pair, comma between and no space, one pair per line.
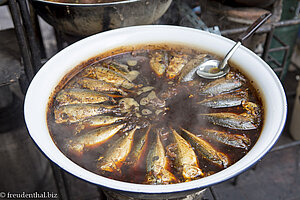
53,71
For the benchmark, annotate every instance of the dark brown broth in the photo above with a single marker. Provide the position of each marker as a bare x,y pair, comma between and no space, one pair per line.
182,112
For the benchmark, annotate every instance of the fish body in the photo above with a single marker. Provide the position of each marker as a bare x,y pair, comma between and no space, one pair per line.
117,153
251,108
186,158
188,72
177,62
97,121
232,120
78,112
159,62
206,150
222,85
122,69
108,75
96,85
139,148
80,96
140,145
115,66
93,138
156,165
223,101
234,140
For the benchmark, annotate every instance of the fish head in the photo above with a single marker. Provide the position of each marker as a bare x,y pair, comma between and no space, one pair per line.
161,178
191,172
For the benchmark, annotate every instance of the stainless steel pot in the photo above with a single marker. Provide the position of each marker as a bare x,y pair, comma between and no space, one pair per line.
87,19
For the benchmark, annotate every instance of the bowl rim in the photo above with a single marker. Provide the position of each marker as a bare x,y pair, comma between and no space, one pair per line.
88,4
30,103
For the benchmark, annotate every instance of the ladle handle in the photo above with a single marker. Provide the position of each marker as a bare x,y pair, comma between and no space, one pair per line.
260,21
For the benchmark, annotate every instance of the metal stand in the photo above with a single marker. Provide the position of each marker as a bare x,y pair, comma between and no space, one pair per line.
26,38
60,182
31,48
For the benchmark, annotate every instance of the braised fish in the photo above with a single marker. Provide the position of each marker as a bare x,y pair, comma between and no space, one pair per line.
96,85
97,121
188,72
232,120
138,149
186,159
121,69
115,66
108,75
93,138
206,150
117,153
234,140
159,62
222,85
224,100
81,96
157,164
252,108
177,62
78,112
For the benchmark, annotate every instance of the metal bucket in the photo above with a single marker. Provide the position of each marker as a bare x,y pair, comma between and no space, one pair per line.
87,19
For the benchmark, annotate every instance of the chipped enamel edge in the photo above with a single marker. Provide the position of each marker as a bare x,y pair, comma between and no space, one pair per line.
53,71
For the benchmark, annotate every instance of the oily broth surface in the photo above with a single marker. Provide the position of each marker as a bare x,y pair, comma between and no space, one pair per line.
182,112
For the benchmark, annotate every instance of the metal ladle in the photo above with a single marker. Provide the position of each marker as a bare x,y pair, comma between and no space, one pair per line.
213,69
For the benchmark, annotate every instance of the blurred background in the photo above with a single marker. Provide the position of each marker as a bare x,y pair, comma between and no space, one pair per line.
30,34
